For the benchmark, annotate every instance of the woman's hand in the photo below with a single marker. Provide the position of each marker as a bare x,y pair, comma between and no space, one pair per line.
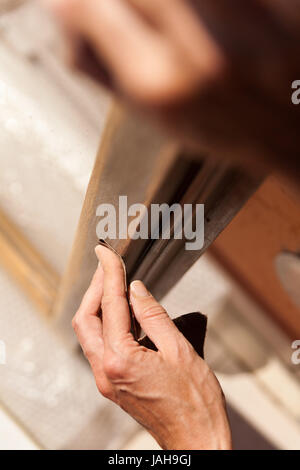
171,392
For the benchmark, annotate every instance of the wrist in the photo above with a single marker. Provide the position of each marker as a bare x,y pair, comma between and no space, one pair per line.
201,424
218,438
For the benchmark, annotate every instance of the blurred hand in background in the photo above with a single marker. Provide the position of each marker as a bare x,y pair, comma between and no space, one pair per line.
217,74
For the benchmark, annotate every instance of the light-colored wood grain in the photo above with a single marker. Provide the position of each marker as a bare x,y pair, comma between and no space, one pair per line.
34,275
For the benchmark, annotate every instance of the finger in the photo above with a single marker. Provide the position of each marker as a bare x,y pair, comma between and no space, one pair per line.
179,22
114,304
116,30
140,61
153,318
157,11
87,323
91,301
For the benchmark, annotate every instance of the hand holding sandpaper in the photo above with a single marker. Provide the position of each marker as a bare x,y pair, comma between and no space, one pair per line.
191,325
170,390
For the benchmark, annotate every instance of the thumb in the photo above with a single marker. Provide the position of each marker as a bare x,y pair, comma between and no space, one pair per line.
153,318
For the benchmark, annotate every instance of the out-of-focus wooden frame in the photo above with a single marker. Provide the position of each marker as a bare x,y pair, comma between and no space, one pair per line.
27,267
136,161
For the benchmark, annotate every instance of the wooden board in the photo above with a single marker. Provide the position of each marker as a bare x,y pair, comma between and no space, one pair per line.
26,266
268,224
134,160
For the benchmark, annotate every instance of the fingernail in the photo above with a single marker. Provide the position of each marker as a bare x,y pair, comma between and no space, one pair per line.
99,265
138,289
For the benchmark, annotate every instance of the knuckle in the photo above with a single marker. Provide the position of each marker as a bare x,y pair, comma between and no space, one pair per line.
105,389
183,351
153,312
150,89
106,393
151,92
109,301
115,366
88,352
171,83
76,323
114,268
